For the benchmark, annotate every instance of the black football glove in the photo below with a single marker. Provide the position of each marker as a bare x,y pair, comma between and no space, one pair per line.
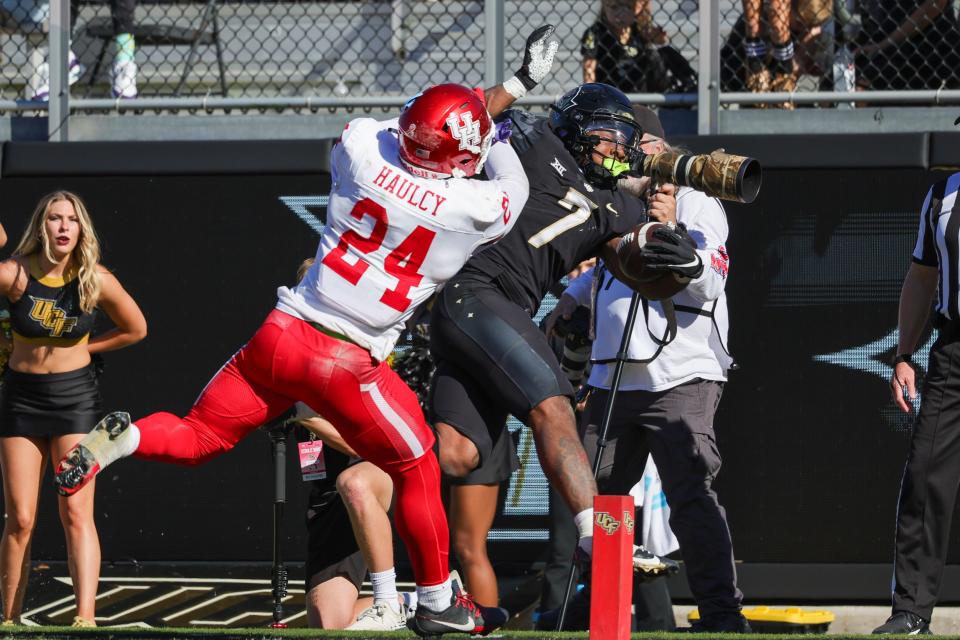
538,55
673,250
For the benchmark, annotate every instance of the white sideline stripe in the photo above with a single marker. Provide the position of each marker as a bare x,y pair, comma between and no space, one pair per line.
150,603
241,616
387,411
26,614
223,596
207,603
100,596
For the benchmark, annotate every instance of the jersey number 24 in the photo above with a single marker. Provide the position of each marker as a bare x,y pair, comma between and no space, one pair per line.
403,263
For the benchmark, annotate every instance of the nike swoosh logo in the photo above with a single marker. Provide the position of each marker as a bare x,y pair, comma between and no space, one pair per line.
470,625
612,210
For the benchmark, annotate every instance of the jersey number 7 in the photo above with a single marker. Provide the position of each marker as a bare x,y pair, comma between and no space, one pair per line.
402,263
580,207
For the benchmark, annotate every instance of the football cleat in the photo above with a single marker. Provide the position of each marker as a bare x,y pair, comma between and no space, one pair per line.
380,617
645,562
462,616
108,441
652,565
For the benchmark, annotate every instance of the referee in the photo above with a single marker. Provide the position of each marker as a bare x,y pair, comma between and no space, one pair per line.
928,490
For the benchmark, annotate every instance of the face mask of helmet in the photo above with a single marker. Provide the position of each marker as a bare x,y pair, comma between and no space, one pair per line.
605,149
598,115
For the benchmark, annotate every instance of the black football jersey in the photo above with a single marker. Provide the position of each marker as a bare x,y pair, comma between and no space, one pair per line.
565,220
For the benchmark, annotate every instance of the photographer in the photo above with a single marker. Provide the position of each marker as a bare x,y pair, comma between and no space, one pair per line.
670,387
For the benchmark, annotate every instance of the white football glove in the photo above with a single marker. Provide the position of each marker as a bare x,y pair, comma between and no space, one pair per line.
538,55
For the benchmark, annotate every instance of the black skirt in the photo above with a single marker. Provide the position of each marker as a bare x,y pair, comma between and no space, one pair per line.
40,405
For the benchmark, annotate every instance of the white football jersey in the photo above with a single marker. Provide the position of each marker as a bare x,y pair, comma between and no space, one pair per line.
392,238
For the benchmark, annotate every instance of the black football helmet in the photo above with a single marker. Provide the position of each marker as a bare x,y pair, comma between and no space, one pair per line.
582,117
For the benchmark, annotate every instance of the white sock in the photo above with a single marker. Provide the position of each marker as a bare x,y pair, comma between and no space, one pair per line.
384,585
109,451
133,440
410,599
584,522
436,597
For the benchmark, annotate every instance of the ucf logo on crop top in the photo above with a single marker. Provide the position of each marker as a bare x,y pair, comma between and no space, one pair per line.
51,317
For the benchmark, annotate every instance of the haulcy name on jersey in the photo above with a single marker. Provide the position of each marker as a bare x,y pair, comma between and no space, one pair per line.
408,191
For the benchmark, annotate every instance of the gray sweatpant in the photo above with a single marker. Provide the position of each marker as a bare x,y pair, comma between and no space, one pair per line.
676,427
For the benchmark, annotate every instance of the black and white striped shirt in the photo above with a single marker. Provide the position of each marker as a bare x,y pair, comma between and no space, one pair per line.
938,242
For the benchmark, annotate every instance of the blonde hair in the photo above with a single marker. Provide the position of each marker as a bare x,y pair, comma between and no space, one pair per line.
85,256
303,268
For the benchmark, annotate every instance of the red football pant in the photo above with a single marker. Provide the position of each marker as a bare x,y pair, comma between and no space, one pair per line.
287,361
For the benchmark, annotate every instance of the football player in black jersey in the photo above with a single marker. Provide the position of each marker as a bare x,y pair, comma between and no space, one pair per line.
492,360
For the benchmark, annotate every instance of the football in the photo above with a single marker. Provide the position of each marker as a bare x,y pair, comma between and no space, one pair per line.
654,285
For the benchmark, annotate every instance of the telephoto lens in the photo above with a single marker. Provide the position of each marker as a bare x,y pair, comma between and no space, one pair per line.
719,174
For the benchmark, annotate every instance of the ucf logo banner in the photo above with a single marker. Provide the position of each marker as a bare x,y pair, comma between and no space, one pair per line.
607,522
610,524
51,317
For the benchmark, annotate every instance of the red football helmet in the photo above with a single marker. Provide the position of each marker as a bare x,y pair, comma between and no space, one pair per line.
445,131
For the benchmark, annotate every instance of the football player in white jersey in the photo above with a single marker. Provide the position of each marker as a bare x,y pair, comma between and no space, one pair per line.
403,218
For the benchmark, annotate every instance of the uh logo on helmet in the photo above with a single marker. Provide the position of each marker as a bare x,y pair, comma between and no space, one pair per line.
445,132
591,112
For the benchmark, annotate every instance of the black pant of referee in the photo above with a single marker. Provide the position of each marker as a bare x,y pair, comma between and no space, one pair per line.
928,491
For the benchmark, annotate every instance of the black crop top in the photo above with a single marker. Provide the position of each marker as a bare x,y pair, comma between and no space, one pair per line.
49,312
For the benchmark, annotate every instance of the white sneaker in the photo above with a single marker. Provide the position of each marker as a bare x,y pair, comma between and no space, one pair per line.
39,86
380,617
75,69
124,79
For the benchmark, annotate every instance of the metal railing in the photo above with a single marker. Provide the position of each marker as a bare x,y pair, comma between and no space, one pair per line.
208,56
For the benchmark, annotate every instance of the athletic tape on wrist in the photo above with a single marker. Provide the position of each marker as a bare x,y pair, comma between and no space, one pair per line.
514,87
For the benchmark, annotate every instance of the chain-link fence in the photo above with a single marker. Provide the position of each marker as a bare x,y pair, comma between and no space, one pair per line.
840,45
392,48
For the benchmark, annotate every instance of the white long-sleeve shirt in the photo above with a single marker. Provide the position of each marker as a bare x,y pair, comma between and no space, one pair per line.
700,347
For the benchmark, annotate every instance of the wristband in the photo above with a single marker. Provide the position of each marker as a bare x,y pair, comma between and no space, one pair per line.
903,357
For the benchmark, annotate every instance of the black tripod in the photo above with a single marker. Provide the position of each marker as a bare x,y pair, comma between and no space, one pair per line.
278,430
605,425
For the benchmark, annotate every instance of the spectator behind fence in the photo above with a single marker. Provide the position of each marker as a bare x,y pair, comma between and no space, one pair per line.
123,79
29,18
908,44
747,62
624,49
53,283
774,69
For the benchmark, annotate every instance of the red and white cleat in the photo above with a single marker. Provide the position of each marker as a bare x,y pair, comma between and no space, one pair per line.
110,440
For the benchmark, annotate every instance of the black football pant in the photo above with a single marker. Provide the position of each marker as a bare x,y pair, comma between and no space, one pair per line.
675,427
928,491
